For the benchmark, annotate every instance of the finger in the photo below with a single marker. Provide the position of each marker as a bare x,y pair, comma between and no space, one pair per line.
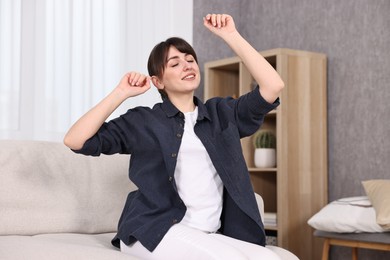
138,78
214,20
130,77
207,21
218,20
147,81
134,78
146,84
223,20
141,81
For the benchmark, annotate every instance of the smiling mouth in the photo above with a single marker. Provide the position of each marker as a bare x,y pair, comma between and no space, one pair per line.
190,76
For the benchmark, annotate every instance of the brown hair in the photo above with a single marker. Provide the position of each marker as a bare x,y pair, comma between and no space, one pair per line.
159,56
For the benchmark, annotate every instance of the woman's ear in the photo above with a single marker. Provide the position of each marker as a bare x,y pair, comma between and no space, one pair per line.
156,81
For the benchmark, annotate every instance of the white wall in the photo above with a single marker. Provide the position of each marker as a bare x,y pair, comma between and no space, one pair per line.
59,58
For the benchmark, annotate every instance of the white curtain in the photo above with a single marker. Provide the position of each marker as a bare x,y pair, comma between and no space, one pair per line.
9,64
59,58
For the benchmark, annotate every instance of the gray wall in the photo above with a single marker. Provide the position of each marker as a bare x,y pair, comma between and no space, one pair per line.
355,36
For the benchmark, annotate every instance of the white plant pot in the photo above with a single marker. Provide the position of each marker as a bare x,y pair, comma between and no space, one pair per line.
265,157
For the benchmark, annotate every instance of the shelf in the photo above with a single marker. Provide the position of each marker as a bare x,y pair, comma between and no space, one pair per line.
273,170
297,187
272,112
268,227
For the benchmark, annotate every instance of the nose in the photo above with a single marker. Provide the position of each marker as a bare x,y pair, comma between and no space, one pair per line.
187,66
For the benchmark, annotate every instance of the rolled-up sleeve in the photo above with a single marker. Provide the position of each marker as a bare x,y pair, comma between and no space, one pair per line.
250,110
257,104
112,137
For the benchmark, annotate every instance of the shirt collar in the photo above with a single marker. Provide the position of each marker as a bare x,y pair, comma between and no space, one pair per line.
202,110
170,109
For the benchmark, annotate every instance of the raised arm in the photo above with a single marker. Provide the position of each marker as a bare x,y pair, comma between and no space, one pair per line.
132,84
265,75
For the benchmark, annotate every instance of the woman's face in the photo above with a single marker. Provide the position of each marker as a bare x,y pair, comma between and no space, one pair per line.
181,74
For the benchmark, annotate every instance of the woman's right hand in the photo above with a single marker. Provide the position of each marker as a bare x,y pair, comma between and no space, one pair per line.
133,84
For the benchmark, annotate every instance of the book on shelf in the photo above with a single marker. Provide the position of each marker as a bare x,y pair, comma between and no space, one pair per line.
270,219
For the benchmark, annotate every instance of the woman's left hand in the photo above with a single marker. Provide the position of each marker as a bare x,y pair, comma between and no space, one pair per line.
220,24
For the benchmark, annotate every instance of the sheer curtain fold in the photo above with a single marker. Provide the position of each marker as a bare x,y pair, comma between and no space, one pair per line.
73,53
10,28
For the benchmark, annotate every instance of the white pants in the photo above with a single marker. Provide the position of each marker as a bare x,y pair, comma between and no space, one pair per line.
182,242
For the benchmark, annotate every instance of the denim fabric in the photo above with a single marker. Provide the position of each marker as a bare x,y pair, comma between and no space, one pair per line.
153,135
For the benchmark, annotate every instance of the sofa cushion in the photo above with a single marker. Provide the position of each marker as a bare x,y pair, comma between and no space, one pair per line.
60,246
46,188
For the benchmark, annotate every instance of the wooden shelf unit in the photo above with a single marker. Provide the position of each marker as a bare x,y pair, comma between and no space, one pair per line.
297,188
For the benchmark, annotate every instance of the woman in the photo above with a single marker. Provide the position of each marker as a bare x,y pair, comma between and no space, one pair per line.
194,197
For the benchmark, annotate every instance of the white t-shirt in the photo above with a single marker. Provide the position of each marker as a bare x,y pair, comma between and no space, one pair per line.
197,181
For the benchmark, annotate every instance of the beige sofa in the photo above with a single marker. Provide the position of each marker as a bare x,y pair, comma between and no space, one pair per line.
55,204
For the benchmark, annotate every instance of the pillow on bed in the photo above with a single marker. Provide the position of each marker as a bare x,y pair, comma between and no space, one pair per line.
346,215
378,191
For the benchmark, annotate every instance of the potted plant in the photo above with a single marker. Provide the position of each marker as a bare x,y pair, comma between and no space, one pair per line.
264,142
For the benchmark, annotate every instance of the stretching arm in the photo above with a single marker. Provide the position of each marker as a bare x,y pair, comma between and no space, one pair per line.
132,84
265,75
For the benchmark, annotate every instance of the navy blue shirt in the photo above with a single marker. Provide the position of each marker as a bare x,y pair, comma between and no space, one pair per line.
153,136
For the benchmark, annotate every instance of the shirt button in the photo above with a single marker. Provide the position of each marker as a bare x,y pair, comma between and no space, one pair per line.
170,178
178,135
173,155
174,221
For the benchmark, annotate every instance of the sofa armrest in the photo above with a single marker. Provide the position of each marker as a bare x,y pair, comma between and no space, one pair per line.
260,205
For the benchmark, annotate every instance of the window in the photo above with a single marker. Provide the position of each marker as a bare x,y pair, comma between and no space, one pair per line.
59,58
